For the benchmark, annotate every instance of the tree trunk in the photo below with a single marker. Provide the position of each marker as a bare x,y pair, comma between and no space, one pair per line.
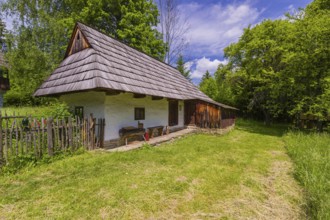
267,117
319,126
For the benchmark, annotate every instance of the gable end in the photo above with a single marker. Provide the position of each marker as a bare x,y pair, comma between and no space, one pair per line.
77,43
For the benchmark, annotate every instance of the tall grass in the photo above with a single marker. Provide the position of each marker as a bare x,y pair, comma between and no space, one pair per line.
311,156
56,109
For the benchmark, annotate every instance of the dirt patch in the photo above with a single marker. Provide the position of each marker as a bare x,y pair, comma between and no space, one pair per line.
181,179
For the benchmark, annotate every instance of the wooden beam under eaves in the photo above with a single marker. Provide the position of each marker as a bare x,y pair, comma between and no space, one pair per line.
138,96
156,98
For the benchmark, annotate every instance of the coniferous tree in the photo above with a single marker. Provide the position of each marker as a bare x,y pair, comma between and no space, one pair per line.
180,65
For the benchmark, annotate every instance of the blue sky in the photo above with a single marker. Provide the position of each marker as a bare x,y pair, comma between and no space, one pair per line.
214,24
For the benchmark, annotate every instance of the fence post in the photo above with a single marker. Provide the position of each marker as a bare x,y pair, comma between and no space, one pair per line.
1,146
50,136
91,132
70,133
102,132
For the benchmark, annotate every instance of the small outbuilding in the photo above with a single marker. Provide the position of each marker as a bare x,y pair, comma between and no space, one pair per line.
130,89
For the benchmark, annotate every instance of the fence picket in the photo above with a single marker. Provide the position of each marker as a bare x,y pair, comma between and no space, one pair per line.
25,135
6,139
11,139
65,132
50,136
16,132
70,133
21,140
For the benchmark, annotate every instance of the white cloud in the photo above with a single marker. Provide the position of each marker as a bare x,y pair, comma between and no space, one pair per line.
188,65
204,64
215,26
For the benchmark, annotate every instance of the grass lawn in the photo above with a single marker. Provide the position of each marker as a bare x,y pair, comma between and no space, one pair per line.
243,174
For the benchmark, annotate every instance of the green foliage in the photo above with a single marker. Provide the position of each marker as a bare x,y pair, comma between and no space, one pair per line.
206,76
280,69
43,28
180,65
55,109
59,110
137,27
257,61
224,83
39,111
208,85
218,87
311,156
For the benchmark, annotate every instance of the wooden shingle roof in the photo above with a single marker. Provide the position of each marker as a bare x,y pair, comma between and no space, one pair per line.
107,64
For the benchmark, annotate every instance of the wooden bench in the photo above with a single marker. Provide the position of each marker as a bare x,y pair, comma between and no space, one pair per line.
130,132
152,130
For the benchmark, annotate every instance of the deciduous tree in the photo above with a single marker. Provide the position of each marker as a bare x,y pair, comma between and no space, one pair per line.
43,28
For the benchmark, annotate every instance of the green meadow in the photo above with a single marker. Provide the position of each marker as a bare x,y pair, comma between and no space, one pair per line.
246,173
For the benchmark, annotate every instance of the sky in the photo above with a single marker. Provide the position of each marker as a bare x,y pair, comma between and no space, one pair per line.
215,24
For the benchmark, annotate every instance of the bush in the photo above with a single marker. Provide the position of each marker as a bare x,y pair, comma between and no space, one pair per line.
59,110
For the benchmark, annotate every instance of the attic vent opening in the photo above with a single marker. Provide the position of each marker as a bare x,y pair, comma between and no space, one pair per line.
79,43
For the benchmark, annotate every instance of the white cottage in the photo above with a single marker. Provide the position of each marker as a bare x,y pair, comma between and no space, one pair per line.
111,80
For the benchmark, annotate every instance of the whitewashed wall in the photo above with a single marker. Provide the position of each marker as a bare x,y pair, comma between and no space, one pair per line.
93,102
118,110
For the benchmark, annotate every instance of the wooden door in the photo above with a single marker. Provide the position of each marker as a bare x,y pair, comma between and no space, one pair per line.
189,113
173,112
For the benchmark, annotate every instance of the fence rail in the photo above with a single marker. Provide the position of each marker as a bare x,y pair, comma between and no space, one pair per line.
21,135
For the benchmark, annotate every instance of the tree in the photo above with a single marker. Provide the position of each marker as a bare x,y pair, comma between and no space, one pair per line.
224,80
208,86
308,62
173,28
206,76
281,69
180,65
257,63
43,29
137,27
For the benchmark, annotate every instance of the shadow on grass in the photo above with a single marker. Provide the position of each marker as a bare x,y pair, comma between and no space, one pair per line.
257,127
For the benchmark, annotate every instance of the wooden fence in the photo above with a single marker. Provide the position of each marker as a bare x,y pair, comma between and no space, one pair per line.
21,135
